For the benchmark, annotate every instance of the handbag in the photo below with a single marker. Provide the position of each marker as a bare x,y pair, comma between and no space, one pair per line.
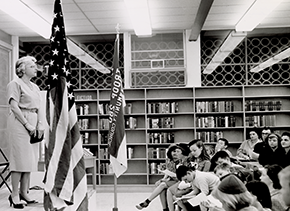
34,138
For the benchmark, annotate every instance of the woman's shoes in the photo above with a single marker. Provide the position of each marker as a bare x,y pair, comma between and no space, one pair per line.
16,206
143,204
28,202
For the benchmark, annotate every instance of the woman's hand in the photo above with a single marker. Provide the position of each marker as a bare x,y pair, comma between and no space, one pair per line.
30,129
40,133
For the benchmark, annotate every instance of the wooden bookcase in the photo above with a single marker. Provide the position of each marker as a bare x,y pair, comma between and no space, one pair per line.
157,117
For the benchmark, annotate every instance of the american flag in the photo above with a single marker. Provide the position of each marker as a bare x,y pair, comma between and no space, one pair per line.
117,137
65,177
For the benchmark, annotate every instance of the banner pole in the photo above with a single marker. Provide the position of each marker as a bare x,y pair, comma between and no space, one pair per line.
115,194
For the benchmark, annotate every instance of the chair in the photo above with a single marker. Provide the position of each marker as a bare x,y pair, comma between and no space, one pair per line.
5,173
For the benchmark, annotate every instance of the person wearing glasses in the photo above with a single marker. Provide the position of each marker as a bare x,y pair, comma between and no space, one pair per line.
24,121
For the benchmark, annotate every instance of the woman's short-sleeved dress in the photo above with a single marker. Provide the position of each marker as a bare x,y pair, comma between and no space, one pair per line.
23,156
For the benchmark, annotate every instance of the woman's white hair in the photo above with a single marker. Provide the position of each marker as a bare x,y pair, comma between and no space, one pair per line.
20,64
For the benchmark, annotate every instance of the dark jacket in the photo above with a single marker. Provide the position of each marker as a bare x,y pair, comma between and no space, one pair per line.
270,157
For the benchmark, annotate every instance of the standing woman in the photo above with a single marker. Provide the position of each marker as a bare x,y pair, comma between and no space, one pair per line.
23,121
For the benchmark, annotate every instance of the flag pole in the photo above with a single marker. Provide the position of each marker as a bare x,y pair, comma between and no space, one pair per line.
115,208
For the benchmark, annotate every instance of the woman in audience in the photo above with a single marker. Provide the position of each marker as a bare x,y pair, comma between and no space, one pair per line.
272,153
177,154
284,177
286,145
262,198
234,195
270,177
245,151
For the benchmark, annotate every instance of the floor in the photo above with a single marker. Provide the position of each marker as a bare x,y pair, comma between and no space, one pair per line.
98,201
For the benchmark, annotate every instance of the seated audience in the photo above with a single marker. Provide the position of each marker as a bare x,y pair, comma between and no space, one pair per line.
262,198
222,144
272,153
246,149
285,142
200,160
210,150
284,177
259,146
204,182
233,194
270,178
177,153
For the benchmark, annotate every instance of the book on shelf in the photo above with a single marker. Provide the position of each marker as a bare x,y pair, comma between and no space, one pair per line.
217,121
260,120
104,108
209,136
104,124
163,137
162,107
214,106
128,108
263,105
163,122
87,152
157,153
131,123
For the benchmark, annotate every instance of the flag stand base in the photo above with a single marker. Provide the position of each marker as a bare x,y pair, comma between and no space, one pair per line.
115,209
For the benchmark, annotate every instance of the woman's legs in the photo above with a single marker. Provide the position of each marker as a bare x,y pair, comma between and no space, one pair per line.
24,184
15,179
170,193
162,197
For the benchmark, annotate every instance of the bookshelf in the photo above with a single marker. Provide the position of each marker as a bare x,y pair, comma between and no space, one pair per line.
157,117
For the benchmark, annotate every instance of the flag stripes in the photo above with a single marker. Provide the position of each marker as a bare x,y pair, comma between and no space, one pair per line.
65,178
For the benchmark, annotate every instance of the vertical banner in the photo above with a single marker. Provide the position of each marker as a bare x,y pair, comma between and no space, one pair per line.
65,177
117,137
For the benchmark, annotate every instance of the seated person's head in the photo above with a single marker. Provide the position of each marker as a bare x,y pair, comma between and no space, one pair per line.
265,132
270,176
198,150
273,140
284,177
222,170
261,192
285,142
232,193
177,151
221,157
185,173
221,144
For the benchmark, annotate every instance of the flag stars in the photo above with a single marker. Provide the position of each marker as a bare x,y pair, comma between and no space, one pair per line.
68,84
55,52
70,96
54,76
51,62
52,39
56,28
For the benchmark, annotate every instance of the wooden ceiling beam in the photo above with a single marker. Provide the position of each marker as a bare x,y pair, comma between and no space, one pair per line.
201,15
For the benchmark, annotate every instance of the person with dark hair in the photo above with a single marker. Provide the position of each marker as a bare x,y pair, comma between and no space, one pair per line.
272,153
284,177
222,144
233,194
198,151
24,121
221,157
177,154
271,179
245,151
204,182
261,192
285,142
259,146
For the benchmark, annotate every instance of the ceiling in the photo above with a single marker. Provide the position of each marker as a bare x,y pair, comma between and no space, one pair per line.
91,17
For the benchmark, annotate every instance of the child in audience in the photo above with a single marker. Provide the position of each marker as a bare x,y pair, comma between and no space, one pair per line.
200,181
272,153
286,145
177,153
284,177
270,177
234,195
261,194
222,144
198,151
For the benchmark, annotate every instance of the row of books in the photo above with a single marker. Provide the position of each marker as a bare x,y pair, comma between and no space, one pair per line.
104,108
82,109
153,168
209,136
84,97
104,153
261,120
162,122
85,138
83,124
131,123
163,137
162,107
216,121
157,153
214,106
263,105
104,124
